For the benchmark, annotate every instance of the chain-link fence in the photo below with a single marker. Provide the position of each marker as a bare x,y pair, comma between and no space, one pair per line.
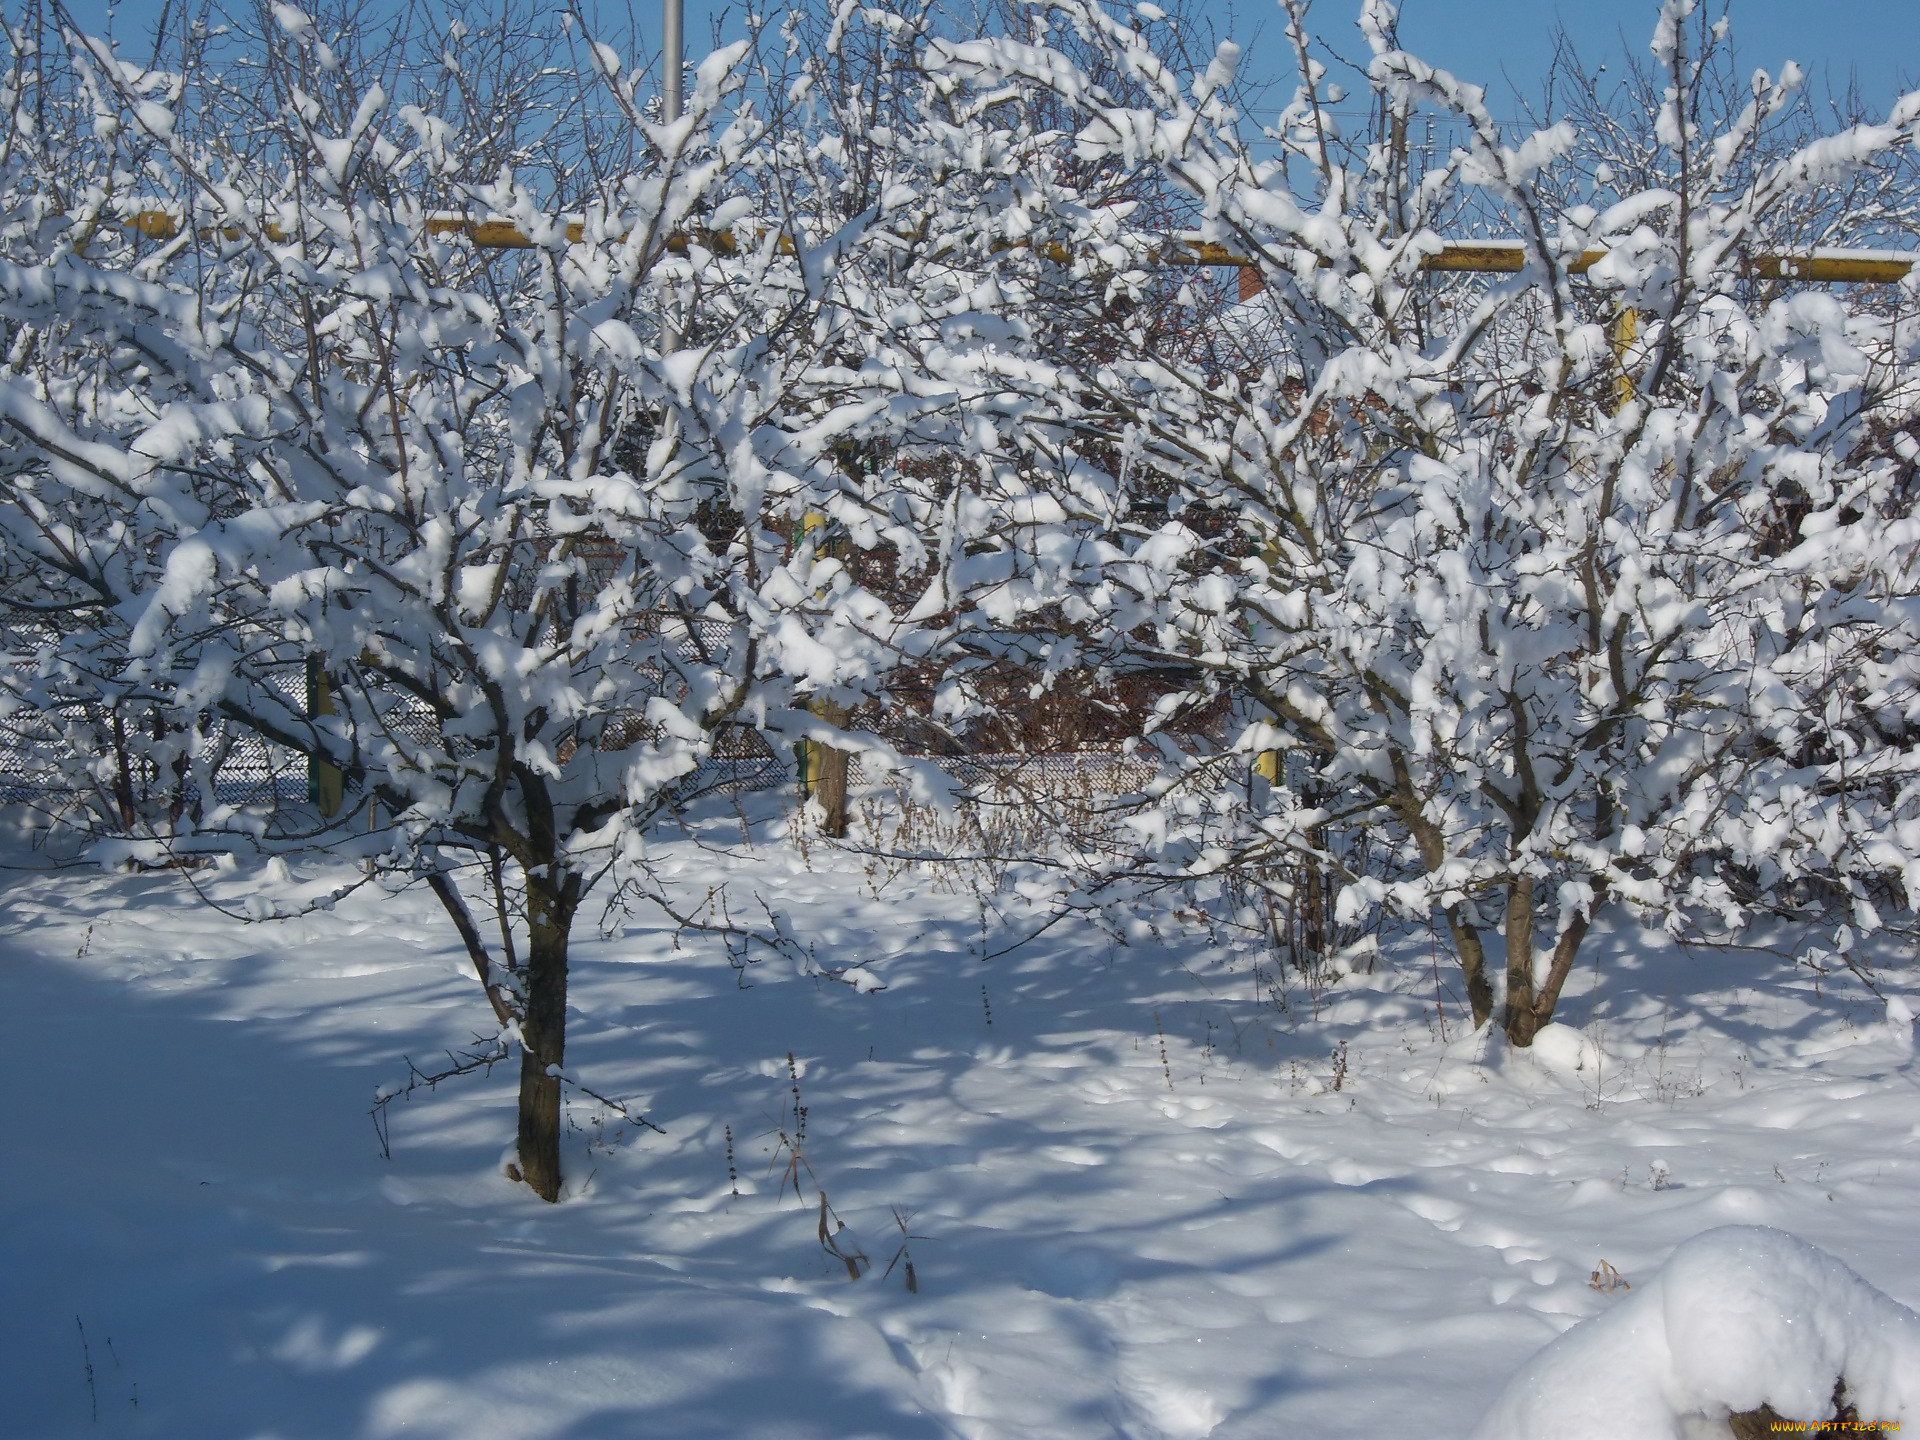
40,764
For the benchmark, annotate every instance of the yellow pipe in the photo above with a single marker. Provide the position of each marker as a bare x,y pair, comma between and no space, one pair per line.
485,234
1492,257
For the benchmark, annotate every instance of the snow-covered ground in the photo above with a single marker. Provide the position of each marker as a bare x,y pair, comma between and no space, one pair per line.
1145,1200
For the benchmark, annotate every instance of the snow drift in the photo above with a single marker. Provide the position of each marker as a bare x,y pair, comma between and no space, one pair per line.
1740,1317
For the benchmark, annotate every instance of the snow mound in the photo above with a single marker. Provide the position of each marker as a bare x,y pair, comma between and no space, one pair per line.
1567,1052
1900,1021
1740,1317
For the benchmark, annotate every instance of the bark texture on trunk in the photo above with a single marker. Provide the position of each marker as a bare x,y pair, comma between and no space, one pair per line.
830,789
1561,966
1473,963
1521,1019
122,774
1460,924
1528,1007
544,1028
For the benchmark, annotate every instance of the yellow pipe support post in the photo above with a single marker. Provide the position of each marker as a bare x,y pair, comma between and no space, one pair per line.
805,763
1266,763
823,769
1625,330
325,786
826,773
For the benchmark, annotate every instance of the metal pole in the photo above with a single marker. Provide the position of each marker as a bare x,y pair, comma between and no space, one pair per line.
673,61
672,27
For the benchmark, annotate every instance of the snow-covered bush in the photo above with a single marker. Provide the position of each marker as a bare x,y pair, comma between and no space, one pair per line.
500,540
1739,1318
1592,581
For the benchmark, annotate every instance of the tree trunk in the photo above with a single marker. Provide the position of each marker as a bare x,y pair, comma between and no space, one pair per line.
1521,1019
830,789
1564,951
549,918
1529,1008
1433,854
1314,917
122,774
1473,963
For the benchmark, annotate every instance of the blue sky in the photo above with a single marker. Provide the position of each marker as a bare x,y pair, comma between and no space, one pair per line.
1492,42
1499,43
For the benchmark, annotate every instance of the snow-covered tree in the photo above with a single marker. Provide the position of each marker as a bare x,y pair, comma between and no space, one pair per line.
501,541
1591,581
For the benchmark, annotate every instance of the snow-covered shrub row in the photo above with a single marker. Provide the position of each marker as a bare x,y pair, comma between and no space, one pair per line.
1589,582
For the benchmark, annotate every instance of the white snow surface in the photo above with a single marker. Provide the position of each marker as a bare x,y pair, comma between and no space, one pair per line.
1741,1316
1349,1216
